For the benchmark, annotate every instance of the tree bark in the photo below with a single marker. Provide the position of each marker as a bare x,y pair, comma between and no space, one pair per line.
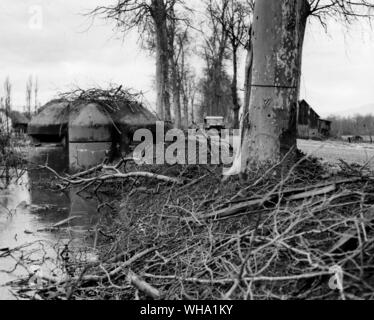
183,84
176,95
248,76
234,90
174,70
187,113
159,16
215,108
277,48
244,121
304,13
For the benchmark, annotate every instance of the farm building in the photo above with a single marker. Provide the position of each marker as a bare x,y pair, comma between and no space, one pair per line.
90,130
20,122
310,124
51,122
17,122
324,127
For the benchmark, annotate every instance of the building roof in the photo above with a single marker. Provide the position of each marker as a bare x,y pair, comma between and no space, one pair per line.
324,120
17,117
54,117
308,105
51,119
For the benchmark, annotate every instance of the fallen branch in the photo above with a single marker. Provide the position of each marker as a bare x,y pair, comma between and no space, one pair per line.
117,176
290,195
57,225
143,286
101,167
115,272
312,193
249,279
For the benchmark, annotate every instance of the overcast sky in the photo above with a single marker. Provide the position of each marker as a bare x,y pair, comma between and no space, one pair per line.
63,49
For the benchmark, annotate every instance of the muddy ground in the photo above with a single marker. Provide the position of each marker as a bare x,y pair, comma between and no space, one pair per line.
332,151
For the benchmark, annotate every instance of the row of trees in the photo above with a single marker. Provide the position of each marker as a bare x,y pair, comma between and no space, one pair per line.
274,43
352,126
170,29
31,105
32,88
229,23
6,107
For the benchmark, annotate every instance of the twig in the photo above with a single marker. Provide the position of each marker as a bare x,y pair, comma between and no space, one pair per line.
143,286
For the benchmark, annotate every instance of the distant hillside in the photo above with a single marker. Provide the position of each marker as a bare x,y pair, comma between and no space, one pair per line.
363,110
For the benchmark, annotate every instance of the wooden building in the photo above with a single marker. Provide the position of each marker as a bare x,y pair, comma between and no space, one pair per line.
324,128
310,124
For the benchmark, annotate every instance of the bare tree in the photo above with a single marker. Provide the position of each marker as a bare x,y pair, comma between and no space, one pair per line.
342,10
215,53
353,126
36,91
248,74
189,90
174,56
238,16
150,18
234,17
8,103
183,78
29,90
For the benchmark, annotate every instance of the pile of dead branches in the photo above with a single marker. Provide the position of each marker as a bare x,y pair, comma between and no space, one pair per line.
111,99
309,235
104,173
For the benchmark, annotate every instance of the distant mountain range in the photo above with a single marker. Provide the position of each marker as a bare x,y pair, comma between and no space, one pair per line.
363,110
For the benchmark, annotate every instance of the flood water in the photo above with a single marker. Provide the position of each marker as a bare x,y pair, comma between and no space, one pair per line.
26,208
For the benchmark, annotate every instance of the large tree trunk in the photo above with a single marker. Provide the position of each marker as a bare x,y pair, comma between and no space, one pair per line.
277,48
215,107
176,96
186,116
175,76
162,60
248,76
183,83
190,111
244,121
304,13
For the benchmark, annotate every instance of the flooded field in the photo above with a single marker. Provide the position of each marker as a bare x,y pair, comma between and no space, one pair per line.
28,209
333,151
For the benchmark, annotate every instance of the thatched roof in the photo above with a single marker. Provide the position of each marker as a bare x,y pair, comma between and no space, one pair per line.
19,118
134,114
120,106
52,119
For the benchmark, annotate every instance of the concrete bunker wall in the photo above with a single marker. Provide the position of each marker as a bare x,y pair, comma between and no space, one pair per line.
90,132
90,137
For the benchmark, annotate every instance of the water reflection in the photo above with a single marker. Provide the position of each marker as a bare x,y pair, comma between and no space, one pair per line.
28,206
